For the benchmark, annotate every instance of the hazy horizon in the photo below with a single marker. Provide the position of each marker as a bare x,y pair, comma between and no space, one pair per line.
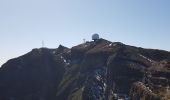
25,23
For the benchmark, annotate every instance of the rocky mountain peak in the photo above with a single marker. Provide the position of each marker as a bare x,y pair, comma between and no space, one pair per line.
95,70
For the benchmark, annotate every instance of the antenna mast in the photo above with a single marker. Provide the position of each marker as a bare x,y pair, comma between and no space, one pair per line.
84,40
42,43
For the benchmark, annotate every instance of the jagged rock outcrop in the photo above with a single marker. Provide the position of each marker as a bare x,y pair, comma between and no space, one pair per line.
96,70
140,91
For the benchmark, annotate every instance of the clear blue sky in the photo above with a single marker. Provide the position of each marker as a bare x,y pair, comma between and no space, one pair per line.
25,23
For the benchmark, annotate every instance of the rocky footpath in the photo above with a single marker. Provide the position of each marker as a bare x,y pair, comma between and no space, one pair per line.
95,70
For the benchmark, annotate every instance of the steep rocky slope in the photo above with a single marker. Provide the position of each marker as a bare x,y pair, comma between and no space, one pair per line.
100,70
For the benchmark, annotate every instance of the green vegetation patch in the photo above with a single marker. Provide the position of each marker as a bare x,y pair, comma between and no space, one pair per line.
69,77
77,95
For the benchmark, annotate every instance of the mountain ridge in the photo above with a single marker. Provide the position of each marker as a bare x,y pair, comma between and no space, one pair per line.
95,70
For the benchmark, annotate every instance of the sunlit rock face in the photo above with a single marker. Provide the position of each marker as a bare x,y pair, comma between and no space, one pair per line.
95,70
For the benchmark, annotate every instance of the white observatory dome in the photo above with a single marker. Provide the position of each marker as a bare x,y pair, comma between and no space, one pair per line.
95,36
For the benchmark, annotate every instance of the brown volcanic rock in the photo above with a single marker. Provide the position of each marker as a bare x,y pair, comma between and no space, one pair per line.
142,92
97,70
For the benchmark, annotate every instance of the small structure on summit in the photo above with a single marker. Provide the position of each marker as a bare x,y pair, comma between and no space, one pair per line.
95,37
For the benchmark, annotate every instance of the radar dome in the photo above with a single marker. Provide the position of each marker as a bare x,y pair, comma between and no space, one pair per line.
95,36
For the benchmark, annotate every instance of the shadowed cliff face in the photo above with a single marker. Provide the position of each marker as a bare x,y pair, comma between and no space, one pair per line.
33,76
100,70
